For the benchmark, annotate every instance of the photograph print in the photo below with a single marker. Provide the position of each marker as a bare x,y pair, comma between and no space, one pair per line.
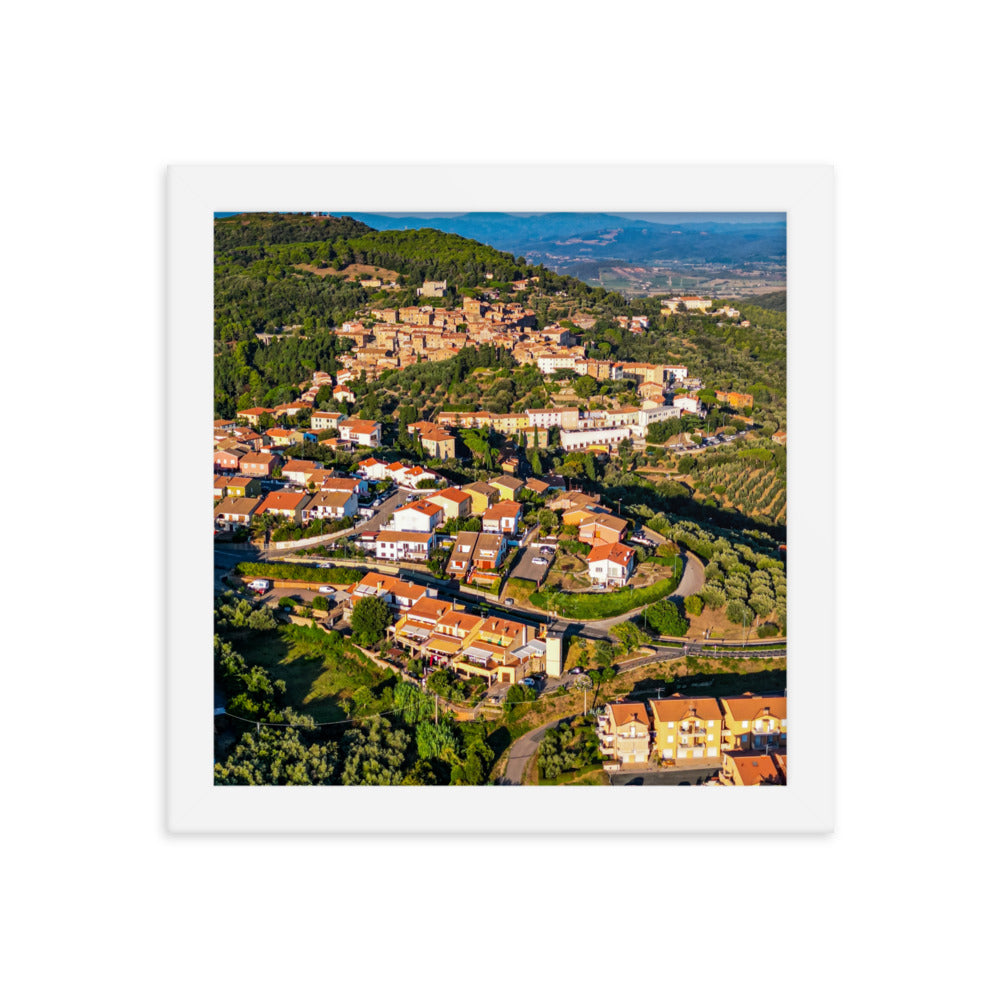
500,499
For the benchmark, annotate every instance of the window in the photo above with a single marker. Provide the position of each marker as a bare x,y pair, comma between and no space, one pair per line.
670,725
711,723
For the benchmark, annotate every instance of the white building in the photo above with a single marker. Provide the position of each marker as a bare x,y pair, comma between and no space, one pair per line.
411,545
611,564
333,504
421,515
603,437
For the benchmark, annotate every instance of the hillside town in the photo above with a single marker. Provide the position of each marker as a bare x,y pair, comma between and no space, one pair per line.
500,562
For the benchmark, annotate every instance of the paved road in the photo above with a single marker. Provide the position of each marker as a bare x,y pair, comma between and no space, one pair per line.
523,749
664,776
694,576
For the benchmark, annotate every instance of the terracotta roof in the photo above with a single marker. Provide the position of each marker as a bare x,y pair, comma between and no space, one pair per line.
283,500
505,508
757,769
629,711
748,707
329,498
460,620
236,505
502,627
676,707
608,520
301,465
360,426
482,488
423,507
451,493
338,483
403,536
615,552
407,591
507,481
436,434
429,607
536,485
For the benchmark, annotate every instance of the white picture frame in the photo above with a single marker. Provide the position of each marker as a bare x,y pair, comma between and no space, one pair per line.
805,194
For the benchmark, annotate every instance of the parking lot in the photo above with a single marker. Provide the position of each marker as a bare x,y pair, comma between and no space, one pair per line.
533,563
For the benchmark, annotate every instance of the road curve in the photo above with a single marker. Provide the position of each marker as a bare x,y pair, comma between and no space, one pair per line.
694,576
523,749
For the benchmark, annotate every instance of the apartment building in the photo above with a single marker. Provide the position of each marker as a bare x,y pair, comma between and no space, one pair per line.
756,723
686,728
623,731
411,545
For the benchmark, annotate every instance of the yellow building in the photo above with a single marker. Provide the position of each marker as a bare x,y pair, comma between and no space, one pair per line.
507,486
753,723
686,728
454,502
483,495
623,732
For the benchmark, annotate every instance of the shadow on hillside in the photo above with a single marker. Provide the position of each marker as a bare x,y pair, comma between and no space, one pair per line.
703,685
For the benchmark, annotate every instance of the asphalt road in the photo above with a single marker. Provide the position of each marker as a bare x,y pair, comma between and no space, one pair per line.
664,776
523,749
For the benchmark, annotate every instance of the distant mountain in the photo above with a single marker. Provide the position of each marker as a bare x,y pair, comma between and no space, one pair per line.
560,238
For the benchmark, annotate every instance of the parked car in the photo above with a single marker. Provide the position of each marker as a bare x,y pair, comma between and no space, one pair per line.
539,562
527,682
326,590
509,601
577,670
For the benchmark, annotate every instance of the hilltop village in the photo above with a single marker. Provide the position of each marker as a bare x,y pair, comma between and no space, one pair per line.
496,559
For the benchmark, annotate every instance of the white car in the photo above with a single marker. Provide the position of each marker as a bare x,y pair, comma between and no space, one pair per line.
539,562
327,590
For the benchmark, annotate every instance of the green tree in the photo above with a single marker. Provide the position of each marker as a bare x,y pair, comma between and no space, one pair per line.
585,386
320,603
666,618
629,635
694,605
437,741
278,756
375,754
369,620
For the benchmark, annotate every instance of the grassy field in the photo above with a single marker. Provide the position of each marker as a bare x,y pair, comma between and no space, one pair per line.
609,605
318,678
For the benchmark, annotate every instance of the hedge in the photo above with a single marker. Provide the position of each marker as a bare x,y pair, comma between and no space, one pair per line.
296,571
609,605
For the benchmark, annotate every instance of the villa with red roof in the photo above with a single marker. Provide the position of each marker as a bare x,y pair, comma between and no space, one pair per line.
611,564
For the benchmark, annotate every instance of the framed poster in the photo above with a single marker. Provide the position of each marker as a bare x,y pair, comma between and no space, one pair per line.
506,514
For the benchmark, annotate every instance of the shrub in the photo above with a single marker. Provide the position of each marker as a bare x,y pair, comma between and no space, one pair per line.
693,604
666,618
766,630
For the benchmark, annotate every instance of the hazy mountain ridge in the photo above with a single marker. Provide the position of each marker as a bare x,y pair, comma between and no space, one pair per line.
560,238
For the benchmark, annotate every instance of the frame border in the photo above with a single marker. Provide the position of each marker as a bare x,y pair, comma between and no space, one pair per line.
804,193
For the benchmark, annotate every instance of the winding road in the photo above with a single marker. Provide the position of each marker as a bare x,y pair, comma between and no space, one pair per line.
523,749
